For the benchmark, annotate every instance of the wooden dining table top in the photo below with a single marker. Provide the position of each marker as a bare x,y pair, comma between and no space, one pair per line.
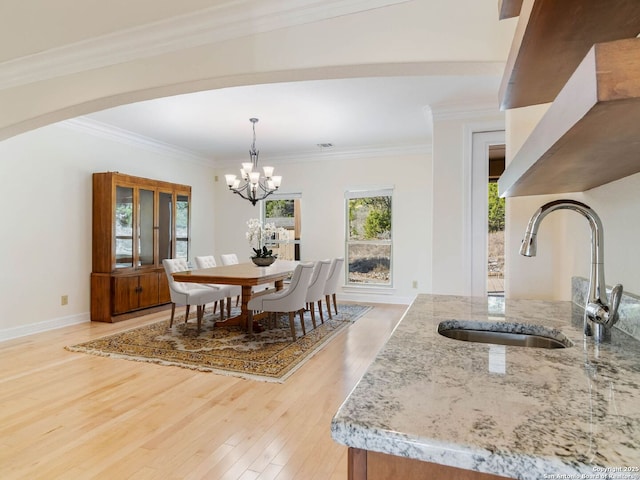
239,274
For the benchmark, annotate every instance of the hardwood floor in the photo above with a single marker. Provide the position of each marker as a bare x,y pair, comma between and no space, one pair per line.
77,416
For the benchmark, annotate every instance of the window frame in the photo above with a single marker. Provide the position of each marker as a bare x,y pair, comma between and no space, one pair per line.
353,193
264,219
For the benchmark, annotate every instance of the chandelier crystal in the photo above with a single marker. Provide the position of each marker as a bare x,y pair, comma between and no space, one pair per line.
252,185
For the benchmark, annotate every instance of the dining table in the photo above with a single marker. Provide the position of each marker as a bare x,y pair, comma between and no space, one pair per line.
247,275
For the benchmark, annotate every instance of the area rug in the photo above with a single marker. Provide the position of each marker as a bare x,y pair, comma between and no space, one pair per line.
271,355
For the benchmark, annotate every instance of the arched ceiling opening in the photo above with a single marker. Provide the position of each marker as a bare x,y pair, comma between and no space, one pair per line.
303,62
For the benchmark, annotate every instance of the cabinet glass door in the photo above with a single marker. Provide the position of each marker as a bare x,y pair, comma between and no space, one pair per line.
124,227
145,229
182,226
165,225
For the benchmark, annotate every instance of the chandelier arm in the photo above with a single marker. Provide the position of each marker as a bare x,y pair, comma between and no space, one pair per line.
250,198
240,189
264,189
265,195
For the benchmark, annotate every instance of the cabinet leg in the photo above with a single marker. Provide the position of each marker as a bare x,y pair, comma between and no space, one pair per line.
357,464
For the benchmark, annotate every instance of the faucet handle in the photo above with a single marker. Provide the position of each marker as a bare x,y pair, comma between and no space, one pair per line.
602,313
614,303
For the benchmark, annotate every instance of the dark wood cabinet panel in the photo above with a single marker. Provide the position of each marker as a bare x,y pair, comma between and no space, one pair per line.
125,294
164,296
368,465
135,292
147,290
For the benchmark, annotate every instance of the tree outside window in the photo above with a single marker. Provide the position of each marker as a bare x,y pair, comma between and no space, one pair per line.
369,244
284,211
495,244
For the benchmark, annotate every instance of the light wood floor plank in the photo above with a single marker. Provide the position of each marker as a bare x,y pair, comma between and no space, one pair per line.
72,415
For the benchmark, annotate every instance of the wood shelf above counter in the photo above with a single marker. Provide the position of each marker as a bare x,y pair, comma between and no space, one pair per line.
591,133
551,39
509,8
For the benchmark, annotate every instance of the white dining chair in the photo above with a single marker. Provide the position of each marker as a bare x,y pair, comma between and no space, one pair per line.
189,293
289,300
232,259
331,285
229,259
315,292
209,261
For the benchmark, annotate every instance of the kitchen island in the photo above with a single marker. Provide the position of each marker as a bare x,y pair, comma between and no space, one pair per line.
503,411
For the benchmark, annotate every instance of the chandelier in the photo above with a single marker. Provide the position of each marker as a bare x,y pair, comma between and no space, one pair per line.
252,185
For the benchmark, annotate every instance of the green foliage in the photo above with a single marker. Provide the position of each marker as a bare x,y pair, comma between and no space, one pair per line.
496,209
124,213
182,212
279,208
377,224
370,217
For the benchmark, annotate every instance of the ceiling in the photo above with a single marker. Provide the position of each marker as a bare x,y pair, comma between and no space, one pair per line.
351,114
76,39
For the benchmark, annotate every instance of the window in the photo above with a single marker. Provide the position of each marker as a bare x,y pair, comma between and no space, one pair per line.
124,227
284,211
496,223
182,226
369,239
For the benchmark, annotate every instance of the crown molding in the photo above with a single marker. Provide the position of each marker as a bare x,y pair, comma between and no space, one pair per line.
232,19
463,111
373,151
126,137
109,132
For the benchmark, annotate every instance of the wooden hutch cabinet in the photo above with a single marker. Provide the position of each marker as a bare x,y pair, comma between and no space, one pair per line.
137,222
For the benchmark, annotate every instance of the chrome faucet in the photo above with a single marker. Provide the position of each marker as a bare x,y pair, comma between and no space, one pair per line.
599,316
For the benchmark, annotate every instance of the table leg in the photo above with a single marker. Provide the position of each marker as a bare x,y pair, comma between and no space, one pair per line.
244,310
279,284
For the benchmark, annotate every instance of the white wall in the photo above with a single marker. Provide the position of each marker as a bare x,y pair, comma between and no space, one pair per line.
46,217
618,205
564,237
322,184
451,190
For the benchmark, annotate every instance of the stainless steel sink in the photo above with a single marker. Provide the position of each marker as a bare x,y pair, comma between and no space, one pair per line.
504,333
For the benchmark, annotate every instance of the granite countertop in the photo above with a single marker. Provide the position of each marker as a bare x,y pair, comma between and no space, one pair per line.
526,413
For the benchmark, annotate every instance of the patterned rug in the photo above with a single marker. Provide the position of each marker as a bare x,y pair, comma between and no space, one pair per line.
271,355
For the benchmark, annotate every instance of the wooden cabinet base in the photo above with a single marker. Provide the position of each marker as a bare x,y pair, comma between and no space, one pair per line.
119,297
137,313
367,465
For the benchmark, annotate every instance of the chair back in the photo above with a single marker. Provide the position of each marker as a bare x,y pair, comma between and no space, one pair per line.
297,290
229,259
177,289
318,281
331,285
205,261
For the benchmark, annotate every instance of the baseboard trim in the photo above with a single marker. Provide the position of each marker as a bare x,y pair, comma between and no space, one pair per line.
374,298
44,326
55,323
